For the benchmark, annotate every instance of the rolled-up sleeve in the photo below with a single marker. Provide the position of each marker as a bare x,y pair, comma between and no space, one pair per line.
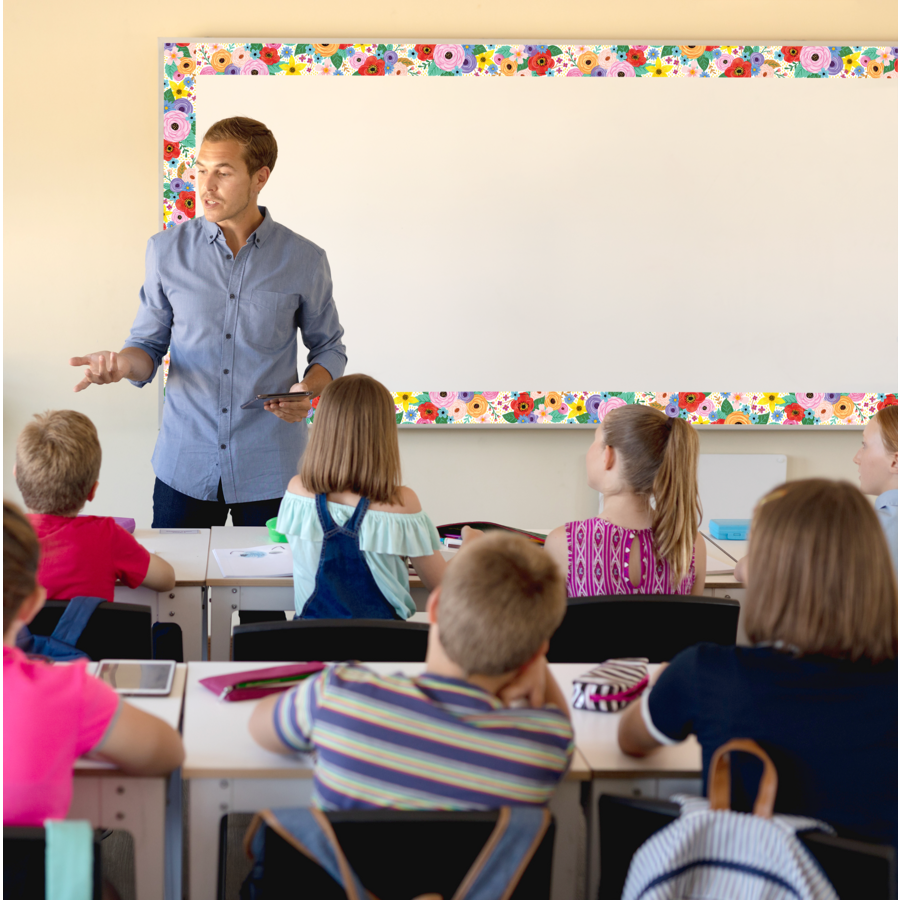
319,324
152,327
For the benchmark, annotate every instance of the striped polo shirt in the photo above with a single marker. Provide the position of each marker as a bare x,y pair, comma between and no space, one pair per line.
428,742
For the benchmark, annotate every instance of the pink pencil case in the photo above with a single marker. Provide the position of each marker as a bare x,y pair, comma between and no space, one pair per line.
260,682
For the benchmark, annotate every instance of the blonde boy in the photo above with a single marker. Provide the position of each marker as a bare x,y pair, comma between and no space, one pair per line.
57,465
447,739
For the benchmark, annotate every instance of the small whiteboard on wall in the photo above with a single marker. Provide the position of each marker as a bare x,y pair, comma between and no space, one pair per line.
731,484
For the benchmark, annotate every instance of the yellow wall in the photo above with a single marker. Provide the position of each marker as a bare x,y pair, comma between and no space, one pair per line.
81,167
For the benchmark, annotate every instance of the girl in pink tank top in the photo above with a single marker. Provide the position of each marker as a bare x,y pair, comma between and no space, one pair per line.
646,540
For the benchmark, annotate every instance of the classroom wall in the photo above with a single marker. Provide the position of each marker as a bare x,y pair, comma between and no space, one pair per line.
81,198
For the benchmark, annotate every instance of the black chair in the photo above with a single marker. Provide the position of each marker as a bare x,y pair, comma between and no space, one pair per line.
23,864
114,631
858,871
657,626
327,640
445,846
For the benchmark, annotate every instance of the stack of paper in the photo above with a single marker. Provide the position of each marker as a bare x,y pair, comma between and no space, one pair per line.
267,561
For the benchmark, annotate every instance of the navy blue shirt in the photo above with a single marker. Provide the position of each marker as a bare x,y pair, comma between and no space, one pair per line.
829,725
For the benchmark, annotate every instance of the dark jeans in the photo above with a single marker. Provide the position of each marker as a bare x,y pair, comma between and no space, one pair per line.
172,509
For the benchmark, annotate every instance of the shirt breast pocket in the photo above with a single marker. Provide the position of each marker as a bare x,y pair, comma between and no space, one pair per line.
267,320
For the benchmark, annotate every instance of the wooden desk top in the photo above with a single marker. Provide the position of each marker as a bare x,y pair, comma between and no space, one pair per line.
236,537
186,551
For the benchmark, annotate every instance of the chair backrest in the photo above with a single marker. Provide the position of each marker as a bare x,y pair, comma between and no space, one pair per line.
328,640
24,875
114,631
398,855
657,626
858,871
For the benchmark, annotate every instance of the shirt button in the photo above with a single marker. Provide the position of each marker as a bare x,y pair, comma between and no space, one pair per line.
225,371
224,409
227,337
231,296
228,256
222,446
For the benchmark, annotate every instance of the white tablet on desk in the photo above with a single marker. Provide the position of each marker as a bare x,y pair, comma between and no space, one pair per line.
138,677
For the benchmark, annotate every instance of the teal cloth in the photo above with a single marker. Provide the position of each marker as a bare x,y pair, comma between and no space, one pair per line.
69,860
385,539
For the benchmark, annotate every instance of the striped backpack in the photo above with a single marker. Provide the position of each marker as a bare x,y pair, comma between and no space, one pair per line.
713,853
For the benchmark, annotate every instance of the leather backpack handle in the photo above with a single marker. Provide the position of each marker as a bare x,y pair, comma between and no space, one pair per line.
719,787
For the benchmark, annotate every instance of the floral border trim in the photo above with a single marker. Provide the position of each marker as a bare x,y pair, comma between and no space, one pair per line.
589,407
182,62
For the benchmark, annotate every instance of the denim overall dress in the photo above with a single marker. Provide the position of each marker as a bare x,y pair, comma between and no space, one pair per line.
345,587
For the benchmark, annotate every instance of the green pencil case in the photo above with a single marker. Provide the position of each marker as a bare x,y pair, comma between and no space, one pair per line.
274,535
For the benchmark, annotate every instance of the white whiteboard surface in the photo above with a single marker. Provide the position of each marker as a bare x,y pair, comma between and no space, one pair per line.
642,234
731,484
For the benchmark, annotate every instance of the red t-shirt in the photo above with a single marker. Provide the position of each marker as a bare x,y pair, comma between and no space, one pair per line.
82,556
51,716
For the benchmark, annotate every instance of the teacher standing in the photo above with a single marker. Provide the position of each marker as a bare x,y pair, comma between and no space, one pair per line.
225,294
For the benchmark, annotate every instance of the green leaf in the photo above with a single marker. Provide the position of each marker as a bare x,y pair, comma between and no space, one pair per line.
504,50
434,68
846,51
167,194
668,50
191,139
557,416
423,398
399,417
478,49
763,419
275,69
522,65
703,62
301,48
871,52
337,60
170,70
510,417
640,70
622,48
799,71
807,421
789,398
726,407
553,50
628,398
252,47
889,67
583,419
169,97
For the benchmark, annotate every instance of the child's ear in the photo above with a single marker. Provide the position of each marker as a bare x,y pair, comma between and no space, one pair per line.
91,492
32,605
434,598
893,465
541,651
609,457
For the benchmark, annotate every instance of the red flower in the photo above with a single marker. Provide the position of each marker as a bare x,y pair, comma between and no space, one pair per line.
690,400
425,51
794,412
522,405
372,66
739,68
187,203
171,150
428,411
540,62
270,54
315,402
889,400
791,54
636,57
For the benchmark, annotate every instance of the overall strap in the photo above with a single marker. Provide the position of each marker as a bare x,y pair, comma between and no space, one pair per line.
75,618
353,524
327,523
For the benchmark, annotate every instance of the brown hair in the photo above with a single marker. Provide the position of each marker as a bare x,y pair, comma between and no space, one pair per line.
887,422
659,459
20,561
820,576
501,598
57,462
353,445
258,146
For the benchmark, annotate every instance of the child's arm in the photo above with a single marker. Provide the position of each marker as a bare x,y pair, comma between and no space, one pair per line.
262,726
557,545
699,565
740,570
430,569
141,744
160,575
634,736
536,684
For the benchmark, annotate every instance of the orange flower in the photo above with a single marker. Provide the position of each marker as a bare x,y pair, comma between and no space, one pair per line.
326,49
477,405
874,68
844,407
553,400
691,51
737,418
508,66
587,61
220,60
186,65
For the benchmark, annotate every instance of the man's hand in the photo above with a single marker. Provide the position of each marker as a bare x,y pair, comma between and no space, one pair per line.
103,367
291,410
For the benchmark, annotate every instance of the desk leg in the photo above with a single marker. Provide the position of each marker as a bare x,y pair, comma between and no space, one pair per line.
223,602
569,846
186,607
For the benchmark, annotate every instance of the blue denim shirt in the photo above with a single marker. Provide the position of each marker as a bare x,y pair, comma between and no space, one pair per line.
886,507
231,326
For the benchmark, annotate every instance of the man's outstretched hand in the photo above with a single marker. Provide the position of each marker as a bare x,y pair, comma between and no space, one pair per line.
291,410
103,367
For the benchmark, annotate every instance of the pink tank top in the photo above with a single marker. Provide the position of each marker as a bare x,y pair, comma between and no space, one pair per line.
599,553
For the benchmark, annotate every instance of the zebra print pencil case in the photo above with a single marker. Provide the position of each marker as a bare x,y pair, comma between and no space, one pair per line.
611,686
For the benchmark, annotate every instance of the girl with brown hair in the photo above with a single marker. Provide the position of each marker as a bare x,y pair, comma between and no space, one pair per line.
646,540
818,687
350,523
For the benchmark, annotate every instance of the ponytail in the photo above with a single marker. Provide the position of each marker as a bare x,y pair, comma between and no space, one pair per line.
659,459
677,516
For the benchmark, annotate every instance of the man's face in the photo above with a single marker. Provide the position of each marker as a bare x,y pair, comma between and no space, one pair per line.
876,465
225,187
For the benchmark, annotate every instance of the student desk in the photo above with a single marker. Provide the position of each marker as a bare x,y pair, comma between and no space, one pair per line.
229,772
186,550
667,771
149,808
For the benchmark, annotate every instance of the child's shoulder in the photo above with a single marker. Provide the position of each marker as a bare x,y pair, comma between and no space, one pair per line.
408,503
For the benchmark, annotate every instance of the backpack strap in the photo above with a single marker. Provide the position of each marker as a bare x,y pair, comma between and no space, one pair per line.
74,619
720,777
507,853
69,859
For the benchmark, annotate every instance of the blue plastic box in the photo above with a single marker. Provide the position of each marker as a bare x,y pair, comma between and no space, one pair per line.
729,529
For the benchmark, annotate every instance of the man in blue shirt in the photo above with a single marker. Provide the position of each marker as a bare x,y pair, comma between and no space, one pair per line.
225,294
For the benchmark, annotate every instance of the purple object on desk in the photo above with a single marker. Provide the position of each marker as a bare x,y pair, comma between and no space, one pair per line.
127,524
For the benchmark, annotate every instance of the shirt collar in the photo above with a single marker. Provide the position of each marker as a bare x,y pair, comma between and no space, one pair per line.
888,498
258,237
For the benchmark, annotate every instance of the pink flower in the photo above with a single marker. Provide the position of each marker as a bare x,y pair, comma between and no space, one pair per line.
399,69
814,59
240,56
170,57
573,73
605,58
254,67
490,396
621,69
448,56
824,411
357,59
442,398
706,408
856,398
175,126
692,69
178,217
207,70
457,410
766,72
607,405
662,398
190,175
809,401
724,61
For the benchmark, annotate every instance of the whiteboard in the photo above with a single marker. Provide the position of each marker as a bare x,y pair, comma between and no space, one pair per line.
647,234
731,484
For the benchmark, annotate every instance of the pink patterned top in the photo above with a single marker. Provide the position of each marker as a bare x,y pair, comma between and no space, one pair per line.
599,553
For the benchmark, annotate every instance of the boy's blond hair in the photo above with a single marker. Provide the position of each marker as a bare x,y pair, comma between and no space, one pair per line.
820,576
501,598
57,462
